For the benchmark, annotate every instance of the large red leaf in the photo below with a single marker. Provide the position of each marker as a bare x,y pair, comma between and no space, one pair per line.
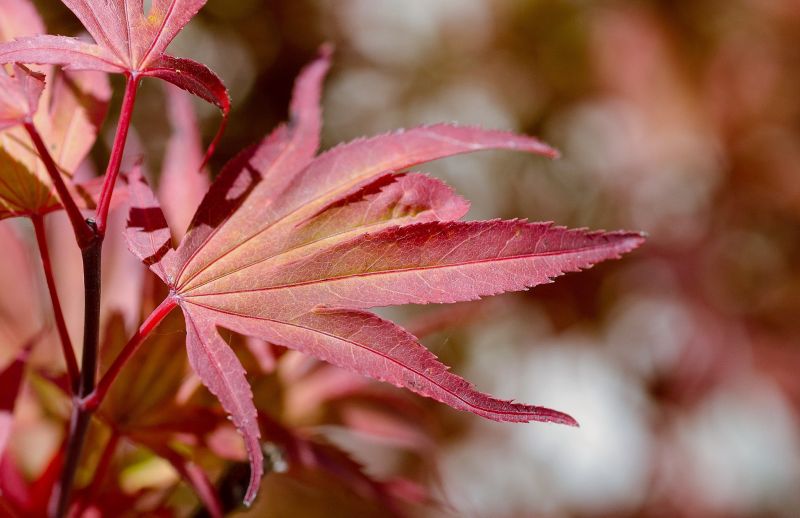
291,250
126,40
221,372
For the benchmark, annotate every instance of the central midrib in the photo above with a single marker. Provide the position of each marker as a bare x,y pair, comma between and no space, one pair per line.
395,270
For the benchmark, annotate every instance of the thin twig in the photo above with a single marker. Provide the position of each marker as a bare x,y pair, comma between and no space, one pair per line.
83,234
63,333
91,251
79,419
150,323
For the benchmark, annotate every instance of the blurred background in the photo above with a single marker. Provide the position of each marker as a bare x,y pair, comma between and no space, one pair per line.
680,118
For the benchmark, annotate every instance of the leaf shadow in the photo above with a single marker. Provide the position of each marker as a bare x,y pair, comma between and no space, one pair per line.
229,191
151,220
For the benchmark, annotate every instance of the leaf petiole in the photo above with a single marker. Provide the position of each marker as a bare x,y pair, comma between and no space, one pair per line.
117,151
91,250
93,401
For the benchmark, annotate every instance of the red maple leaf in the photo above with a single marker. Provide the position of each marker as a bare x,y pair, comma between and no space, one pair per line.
293,248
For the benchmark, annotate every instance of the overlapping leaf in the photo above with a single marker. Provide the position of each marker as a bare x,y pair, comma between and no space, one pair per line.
128,41
70,114
20,97
67,109
293,249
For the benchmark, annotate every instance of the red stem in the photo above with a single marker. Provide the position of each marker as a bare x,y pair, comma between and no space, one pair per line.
79,418
83,234
95,398
91,250
117,151
66,343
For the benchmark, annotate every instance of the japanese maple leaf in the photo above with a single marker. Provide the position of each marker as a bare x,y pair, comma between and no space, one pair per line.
67,108
76,104
126,41
20,95
293,249
19,91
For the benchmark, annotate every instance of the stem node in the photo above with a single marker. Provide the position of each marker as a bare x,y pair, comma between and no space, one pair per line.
89,234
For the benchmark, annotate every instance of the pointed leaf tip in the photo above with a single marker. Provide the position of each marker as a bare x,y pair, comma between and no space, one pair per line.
198,80
221,372
547,415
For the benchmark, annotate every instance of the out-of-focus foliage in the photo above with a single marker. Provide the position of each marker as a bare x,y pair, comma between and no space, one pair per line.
676,117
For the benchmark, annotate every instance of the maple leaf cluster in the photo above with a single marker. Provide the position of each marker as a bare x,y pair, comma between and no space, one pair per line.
289,247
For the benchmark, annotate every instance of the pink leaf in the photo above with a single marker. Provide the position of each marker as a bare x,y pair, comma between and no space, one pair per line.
348,166
199,80
121,27
19,95
305,114
364,343
18,18
220,371
441,262
126,41
77,103
290,249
